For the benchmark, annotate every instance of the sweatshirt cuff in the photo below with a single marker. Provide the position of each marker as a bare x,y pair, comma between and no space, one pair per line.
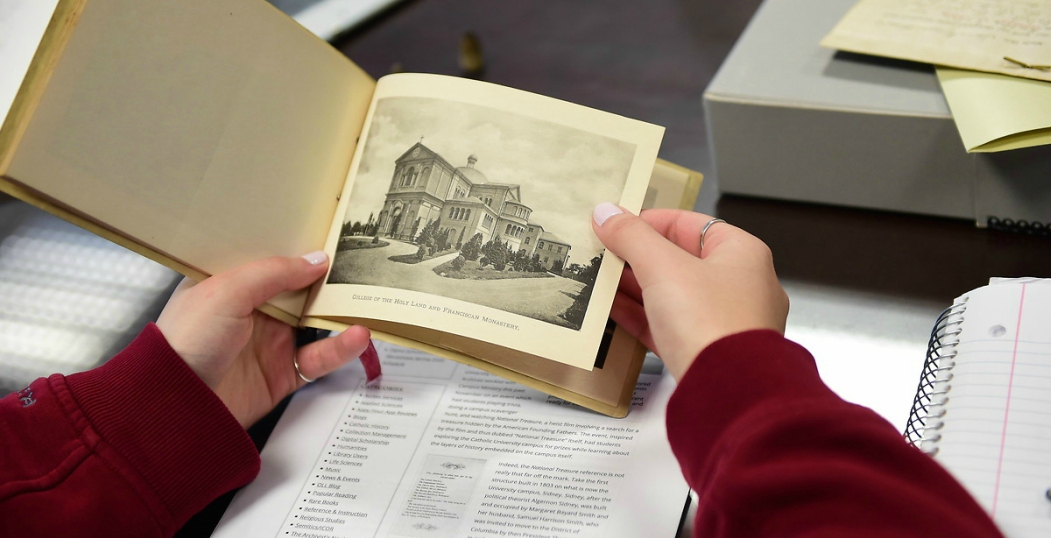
172,430
729,378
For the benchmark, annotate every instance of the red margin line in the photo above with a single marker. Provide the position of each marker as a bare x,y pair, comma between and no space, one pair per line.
1007,408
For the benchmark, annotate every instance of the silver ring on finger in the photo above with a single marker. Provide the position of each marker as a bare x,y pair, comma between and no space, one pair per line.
704,230
295,362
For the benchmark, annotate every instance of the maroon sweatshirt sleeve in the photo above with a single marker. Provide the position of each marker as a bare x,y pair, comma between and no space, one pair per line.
771,451
132,448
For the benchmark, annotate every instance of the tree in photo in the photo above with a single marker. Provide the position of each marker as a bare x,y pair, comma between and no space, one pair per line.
370,228
427,239
459,262
427,233
442,242
496,252
575,313
415,227
472,248
521,262
557,267
459,242
535,265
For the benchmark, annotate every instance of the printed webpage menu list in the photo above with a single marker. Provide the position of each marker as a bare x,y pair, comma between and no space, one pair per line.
437,449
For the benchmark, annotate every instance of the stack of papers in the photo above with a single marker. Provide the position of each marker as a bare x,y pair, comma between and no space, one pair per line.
993,60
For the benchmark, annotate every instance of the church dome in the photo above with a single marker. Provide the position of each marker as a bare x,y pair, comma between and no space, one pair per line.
472,175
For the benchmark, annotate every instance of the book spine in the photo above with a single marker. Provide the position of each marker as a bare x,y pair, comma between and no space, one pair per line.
932,394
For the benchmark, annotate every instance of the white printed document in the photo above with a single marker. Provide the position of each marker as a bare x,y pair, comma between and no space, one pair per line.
22,26
438,449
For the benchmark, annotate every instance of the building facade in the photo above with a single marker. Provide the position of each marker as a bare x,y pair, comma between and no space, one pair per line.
425,188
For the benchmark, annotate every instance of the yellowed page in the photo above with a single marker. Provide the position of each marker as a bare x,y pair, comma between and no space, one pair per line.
672,187
468,155
968,34
213,132
997,112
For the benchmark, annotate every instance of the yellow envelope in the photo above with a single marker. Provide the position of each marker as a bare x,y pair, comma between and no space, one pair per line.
997,112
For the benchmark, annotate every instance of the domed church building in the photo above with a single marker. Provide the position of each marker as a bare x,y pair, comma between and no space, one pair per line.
426,187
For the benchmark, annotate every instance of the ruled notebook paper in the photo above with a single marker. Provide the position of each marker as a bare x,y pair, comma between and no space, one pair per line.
996,430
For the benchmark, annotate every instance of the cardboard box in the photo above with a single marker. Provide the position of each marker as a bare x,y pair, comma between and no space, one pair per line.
788,119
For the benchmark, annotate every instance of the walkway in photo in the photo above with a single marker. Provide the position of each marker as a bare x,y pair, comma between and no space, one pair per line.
538,298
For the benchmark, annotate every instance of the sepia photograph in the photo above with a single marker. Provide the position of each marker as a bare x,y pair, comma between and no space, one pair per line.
481,205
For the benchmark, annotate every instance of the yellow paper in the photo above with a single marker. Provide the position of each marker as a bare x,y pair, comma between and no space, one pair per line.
997,112
967,34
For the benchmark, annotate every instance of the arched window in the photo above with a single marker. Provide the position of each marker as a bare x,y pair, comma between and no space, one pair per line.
468,215
425,176
408,177
527,241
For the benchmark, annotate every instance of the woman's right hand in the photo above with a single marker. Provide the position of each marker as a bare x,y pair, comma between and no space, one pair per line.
676,299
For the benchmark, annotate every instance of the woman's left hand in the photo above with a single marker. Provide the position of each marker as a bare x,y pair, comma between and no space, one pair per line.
245,356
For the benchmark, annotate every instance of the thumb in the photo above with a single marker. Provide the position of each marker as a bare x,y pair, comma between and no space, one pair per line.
637,243
327,355
253,284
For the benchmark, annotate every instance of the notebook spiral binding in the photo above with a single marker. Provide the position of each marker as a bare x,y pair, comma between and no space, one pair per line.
1035,228
928,408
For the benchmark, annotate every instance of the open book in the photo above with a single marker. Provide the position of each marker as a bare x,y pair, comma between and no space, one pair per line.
982,405
456,213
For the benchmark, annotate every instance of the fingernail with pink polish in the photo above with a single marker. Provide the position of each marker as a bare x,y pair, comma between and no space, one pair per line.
316,258
604,211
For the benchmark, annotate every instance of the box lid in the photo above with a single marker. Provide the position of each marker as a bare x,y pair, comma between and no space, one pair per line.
778,61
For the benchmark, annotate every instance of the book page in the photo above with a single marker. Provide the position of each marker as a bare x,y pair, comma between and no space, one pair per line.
997,36
998,416
437,449
469,213
214,133
22,25
607,387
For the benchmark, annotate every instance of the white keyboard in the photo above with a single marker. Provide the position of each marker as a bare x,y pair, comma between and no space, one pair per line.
68,299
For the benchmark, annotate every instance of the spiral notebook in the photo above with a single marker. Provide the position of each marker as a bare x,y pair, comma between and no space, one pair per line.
983,406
